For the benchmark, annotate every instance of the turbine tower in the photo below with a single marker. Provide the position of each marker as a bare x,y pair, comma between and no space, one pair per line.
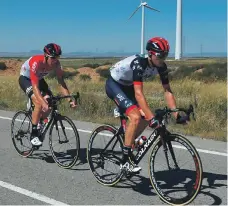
143,5
178,50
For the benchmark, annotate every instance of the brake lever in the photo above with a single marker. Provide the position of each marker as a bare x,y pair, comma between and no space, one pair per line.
191,111
77,98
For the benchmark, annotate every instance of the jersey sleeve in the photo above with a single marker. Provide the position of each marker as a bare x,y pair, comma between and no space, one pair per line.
163,73
33,64
138,68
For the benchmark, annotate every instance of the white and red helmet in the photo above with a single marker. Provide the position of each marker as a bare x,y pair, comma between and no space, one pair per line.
158,46
52,50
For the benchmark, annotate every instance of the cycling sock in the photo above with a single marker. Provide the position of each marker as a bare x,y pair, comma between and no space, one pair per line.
127,153
34,129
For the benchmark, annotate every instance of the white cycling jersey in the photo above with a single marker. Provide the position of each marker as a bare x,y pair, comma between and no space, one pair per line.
134,69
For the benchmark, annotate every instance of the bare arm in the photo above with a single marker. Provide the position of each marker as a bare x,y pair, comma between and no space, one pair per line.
170,99
63,87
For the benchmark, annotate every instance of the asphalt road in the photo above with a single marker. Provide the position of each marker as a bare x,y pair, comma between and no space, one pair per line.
38,180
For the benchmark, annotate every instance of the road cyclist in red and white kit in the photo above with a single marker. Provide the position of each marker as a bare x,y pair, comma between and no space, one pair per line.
32,82
125,87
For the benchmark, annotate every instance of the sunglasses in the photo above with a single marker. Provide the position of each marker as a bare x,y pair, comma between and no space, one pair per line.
162,55
55,57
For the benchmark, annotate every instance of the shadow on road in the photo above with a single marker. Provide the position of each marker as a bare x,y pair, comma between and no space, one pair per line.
46,156
210,181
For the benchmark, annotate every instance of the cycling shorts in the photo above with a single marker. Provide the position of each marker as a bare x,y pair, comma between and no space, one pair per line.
122,95
26,86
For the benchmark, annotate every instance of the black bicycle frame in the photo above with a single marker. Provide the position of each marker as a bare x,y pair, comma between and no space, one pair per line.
149,142
54,118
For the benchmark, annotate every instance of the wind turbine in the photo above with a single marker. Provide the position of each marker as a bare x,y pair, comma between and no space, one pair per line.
178,50
143,5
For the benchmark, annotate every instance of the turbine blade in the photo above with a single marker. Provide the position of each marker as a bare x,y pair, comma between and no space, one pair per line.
134,12
151,8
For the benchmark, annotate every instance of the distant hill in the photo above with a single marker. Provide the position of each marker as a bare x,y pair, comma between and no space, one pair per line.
104,54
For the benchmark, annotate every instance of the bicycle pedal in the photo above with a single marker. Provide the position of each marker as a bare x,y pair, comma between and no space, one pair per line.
36,147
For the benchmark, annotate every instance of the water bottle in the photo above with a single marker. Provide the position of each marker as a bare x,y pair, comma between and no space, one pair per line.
140,141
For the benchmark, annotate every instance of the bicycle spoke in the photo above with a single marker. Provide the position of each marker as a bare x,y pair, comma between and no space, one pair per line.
64,142
20,133
175,185
105,154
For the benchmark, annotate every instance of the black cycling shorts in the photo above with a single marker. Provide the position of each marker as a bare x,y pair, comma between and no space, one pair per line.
123,96
26,85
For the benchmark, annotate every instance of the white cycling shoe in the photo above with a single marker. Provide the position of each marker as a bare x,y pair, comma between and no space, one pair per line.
36,141
130,167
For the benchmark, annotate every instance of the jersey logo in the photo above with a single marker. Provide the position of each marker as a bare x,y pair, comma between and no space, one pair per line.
139,67
136,61
34,65
120,97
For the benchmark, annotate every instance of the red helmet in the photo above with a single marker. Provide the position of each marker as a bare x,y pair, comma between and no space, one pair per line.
158,46
52,50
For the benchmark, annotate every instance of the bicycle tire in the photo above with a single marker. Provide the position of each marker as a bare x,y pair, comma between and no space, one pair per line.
55,155
20,134
198,171
100,159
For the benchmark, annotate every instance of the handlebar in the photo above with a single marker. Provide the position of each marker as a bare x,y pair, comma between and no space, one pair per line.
161,114
54,99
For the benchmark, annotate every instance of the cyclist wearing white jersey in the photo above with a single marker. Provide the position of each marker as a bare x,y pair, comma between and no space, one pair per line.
125,88
32,83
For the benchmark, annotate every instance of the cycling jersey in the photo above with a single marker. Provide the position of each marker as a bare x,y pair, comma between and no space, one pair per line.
34,70
135,69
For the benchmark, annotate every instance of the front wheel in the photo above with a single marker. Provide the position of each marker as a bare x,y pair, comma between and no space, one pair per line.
64,142
175,173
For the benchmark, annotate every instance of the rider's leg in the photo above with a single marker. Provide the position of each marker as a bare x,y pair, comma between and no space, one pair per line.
116,92
26,86
46,93
134,117
36,114
141,127
44,115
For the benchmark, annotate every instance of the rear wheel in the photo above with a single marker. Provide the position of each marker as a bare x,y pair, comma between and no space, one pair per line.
21,128
104,154
180,182
64,142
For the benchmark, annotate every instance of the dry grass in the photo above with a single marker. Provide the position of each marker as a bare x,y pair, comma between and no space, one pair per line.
211,101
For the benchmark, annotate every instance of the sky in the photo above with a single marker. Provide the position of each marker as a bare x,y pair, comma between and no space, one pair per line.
103,25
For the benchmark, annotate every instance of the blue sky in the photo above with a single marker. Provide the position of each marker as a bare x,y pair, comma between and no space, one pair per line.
103,25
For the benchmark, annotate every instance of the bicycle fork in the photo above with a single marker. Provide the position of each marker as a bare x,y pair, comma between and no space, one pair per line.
64,131
166,142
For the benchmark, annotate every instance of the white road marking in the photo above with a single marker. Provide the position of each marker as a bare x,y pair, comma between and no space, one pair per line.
31,194
204,151
177,146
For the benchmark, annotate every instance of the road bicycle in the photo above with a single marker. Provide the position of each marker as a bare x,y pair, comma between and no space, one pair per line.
175,167
63,134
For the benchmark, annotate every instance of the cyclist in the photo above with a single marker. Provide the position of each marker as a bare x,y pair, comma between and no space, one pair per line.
32,82
125,87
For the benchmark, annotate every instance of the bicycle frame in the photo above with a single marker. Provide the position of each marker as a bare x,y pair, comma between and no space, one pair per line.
162,131
54,117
